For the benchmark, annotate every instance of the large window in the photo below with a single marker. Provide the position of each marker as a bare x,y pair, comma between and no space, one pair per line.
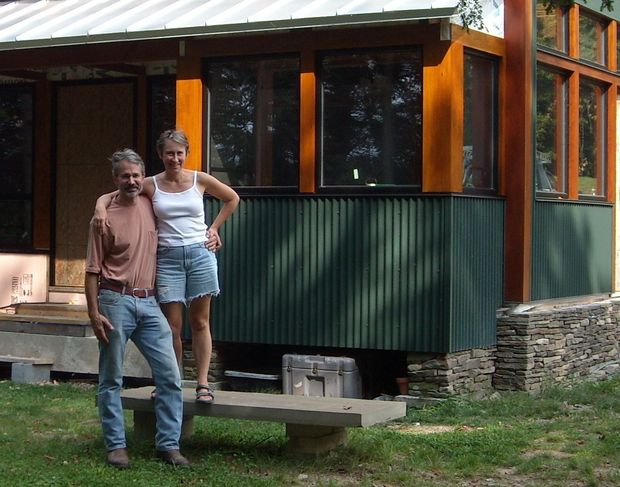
551,27
551,127
371,118
592,138
480,123
253,121
592,39
162,116
16,133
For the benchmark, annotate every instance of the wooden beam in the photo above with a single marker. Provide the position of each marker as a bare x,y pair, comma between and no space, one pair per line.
572,188
189,109
24,74
307,123
122,68
518,149
442,153
41,205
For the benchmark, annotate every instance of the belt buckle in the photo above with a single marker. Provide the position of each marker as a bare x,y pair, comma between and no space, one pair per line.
141,293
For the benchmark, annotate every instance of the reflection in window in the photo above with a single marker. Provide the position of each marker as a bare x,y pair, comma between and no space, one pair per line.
16,131
162,116
371,118
592,139
592,36
550,27
480,123
254,121
551,126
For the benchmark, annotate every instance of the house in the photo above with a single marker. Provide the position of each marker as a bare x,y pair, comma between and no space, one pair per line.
433,200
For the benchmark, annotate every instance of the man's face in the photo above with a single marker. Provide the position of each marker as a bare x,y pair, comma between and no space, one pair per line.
129,179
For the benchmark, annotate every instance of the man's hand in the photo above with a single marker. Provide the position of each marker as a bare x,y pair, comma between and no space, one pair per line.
101,326
214,242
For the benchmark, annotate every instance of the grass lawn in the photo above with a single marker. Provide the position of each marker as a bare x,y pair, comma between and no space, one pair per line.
50,436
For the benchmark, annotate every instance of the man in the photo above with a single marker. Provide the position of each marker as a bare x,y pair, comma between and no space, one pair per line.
120,276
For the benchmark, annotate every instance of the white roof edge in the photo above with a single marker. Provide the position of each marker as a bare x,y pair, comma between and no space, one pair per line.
238,28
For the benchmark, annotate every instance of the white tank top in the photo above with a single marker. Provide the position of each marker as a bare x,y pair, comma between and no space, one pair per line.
180,216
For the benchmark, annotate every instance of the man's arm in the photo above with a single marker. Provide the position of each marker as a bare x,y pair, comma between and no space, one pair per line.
99,323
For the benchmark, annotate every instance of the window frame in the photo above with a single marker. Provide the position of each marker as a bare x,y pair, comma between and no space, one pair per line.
495,119
292,189
364,190
27,198
561,142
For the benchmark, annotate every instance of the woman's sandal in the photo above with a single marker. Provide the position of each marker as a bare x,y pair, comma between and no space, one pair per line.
204,391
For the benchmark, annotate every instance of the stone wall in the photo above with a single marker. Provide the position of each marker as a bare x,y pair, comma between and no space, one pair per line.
444,375
551,343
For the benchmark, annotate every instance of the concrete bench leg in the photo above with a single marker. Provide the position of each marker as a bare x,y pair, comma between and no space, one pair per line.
308,439
30,373
144,426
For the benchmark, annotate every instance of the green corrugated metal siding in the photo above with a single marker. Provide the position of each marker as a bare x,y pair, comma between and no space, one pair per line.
572,249
369,273
477,272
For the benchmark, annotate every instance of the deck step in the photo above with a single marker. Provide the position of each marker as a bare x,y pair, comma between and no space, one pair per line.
46,325
52,309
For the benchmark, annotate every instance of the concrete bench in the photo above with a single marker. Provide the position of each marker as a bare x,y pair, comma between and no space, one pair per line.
313,424
28,370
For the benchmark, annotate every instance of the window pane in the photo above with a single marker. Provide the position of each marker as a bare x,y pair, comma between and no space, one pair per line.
551,126
16,140
592,131
254,121
16,133
480,123
371,118
550,27
162,105
15,224
592,34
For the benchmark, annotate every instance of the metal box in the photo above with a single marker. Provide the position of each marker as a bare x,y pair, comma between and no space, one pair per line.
316,375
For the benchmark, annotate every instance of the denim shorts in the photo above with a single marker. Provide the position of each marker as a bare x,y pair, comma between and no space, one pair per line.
186,273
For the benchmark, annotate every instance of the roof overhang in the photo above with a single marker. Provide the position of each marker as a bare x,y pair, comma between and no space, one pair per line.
52,23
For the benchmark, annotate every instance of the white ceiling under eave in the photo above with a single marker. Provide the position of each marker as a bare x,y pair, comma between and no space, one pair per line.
50,23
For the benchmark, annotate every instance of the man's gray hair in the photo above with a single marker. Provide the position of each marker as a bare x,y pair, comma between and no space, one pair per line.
177,136
128,155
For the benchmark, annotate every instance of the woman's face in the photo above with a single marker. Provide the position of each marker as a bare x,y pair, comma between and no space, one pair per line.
173,155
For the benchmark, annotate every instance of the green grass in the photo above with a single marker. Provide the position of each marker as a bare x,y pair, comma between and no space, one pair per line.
50,436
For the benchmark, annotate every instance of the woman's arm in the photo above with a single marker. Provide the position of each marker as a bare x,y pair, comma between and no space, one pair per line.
100,218
226,195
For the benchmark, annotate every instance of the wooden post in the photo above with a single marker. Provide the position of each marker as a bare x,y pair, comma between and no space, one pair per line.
189,112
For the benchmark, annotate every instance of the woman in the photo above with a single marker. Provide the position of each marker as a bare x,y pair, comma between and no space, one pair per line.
186,263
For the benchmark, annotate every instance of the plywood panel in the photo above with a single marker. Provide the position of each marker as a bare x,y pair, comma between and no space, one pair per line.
94,120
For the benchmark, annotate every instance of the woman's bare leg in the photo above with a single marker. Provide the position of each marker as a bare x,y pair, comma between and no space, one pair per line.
199,319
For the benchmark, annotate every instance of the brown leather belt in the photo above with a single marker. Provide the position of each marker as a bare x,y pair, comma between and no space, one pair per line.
136,292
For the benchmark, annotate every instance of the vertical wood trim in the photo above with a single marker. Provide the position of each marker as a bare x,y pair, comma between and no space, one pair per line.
573,136
442,112
573,31
612,97
612,41
42,167
518,149
189,109
142,96
307,123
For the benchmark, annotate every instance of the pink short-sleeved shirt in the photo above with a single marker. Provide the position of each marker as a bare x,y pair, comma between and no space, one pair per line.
127,251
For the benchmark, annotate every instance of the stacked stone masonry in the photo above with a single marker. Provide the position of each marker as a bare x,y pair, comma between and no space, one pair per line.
553,344
444,375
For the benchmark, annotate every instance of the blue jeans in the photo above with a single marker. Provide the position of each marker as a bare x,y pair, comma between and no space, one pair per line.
141,320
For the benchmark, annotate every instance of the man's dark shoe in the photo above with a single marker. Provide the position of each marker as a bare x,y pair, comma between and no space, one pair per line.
173,457
118,458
